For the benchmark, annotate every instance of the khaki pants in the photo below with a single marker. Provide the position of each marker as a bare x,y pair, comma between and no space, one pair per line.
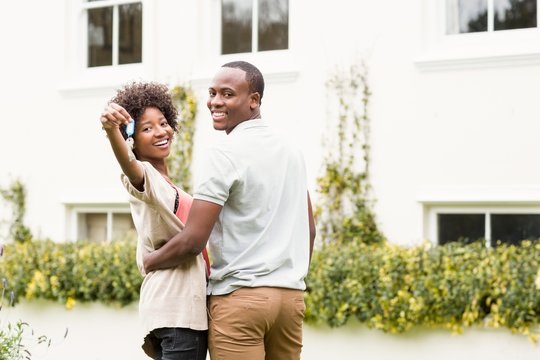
261,323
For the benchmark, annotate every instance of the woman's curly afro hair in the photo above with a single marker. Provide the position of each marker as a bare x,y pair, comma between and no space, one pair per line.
136,97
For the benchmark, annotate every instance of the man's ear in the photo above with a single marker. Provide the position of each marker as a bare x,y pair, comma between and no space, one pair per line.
255,99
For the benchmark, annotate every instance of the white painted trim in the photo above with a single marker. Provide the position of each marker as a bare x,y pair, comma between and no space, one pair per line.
490,16
430,212
441,51
474,199
255,26
438,62
77,207
79,79
479,195
269,78
106,3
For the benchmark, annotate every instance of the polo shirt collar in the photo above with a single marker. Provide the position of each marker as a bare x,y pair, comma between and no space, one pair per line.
249,124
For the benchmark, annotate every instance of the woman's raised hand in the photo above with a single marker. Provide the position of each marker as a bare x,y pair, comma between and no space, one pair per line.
113,116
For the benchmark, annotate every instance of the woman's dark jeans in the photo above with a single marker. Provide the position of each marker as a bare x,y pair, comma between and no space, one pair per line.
179,344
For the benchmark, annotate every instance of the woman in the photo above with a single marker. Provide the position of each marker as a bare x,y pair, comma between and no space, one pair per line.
172,303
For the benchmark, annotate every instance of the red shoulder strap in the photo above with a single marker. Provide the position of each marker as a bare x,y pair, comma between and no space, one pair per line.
207,261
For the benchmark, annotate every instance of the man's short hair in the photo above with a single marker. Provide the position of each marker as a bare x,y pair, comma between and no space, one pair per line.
253,76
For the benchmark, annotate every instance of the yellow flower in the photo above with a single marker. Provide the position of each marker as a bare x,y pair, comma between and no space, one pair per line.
70,303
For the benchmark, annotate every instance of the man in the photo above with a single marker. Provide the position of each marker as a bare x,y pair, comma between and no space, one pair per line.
252,202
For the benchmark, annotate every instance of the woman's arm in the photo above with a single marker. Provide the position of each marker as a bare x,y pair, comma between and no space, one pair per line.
112,118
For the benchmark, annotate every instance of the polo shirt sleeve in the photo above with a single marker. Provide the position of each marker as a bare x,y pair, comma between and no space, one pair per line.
217,176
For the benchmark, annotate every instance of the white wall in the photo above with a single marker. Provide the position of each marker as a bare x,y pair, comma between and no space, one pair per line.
467,125
98,332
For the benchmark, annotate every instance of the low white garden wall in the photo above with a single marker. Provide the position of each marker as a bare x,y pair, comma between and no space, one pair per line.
98,332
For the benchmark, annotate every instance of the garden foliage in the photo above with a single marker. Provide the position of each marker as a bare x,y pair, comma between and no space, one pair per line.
15,196
394,288
72,272
344,205
179,160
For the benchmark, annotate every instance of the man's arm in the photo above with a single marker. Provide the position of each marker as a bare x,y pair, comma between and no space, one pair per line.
188,243
312,230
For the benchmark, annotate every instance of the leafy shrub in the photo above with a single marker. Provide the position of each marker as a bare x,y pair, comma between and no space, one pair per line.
71,272
394,288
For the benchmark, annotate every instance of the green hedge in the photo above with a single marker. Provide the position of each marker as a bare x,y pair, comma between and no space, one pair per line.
394,288
383,286
71,272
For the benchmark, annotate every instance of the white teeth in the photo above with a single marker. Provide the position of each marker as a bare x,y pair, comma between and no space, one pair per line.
163,142
218,114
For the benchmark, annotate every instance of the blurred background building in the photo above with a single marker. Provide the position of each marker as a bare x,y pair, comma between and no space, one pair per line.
455,117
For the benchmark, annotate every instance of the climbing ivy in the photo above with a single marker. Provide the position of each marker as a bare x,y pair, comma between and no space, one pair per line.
344,205
15,196
179,160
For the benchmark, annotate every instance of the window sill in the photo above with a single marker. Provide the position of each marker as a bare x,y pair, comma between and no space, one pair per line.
436,62
101,78
481,50
277,66
523,195
95,197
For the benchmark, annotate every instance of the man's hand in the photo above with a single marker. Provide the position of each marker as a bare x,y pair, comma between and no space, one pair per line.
188,243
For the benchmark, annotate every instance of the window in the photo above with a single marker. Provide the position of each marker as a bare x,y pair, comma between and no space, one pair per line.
460,227
464,34
114,32
506,214
467,16
103,226
254,25
494,225
97,222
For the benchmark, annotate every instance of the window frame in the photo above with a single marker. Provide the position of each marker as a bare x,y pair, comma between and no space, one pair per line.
442,51
254,30
491,19
77,75
115,4
474,199
75,210
278,66
485,210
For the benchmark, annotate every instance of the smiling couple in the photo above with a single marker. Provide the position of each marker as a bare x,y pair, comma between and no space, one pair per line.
250,207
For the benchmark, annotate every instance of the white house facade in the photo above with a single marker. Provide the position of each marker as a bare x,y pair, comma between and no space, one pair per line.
454,112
